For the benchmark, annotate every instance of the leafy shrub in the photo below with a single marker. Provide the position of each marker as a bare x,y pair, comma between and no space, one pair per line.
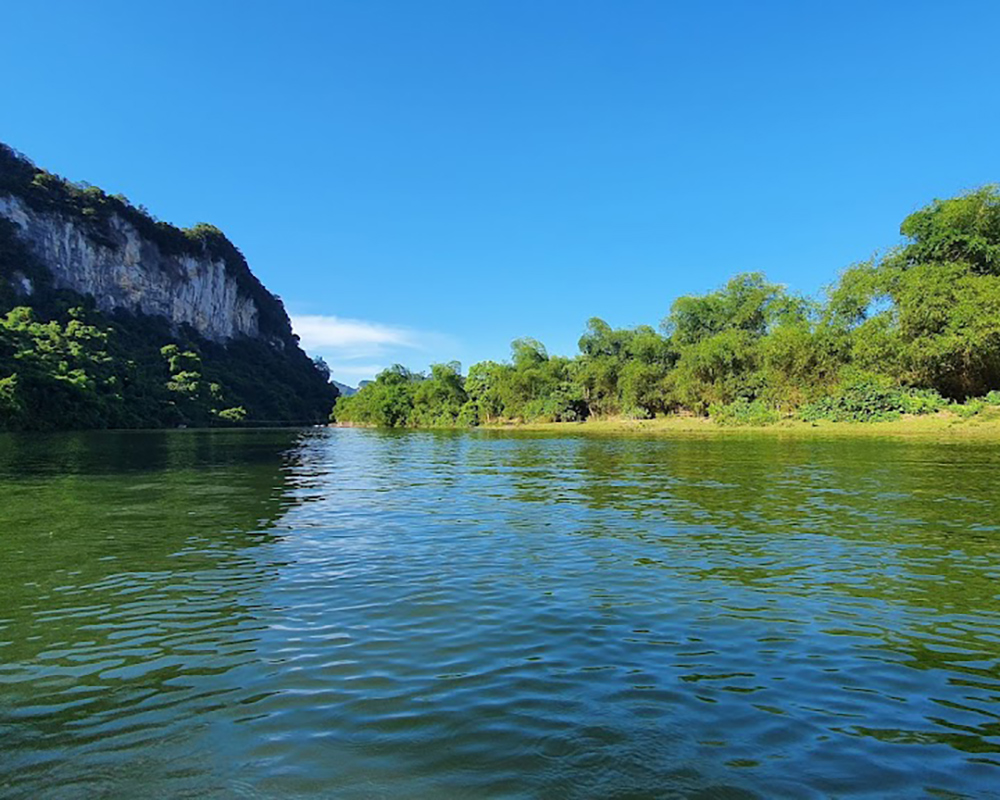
988,406
863,398
235,414
969,408
743,412
566,404
468,417
922,401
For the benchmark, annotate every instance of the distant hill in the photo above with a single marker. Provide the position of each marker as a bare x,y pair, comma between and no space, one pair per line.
344,389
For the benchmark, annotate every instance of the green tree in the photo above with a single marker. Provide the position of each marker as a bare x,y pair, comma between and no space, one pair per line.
928,313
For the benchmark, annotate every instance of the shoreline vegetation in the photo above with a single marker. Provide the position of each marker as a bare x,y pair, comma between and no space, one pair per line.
909,339
943,426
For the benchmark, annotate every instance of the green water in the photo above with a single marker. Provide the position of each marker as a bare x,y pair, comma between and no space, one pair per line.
355,614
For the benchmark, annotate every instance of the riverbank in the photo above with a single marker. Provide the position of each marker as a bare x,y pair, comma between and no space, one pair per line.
942,426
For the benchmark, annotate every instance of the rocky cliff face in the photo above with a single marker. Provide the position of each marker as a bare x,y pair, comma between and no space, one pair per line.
129,272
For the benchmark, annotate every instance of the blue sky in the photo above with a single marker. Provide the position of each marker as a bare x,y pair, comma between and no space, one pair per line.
424,181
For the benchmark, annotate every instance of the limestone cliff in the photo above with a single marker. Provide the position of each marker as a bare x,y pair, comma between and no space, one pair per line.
130,272
110,318
103,246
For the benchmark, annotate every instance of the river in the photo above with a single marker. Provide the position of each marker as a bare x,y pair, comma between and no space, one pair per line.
364,614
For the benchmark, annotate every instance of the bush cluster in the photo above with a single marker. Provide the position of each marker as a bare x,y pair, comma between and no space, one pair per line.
871,398
744,412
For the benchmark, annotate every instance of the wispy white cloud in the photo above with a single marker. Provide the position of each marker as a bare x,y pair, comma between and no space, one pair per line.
358,349
320,332
352,373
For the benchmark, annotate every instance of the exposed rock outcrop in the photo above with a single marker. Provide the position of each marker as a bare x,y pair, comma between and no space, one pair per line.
123,270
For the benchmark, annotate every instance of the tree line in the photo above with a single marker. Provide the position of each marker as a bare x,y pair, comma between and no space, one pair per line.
913,331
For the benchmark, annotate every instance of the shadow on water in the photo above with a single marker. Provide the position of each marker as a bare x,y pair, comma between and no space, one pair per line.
127,588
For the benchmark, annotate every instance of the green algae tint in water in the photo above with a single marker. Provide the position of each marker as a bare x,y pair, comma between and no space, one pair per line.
356,614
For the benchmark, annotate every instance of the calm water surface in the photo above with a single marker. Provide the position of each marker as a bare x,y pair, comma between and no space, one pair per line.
355,614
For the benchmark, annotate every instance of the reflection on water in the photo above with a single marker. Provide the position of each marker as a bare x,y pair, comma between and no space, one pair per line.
359,614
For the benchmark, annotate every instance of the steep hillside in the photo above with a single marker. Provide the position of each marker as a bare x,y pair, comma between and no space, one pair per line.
111,318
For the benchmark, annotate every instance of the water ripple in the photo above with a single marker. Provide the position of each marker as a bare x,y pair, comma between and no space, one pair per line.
355,614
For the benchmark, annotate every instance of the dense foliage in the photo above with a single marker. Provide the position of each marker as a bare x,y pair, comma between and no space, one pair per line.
63,364
913,332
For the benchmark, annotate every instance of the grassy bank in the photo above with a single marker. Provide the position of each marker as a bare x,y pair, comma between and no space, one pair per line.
942,426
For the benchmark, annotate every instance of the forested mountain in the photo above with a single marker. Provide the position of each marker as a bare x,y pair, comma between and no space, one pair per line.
111,318
913,331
